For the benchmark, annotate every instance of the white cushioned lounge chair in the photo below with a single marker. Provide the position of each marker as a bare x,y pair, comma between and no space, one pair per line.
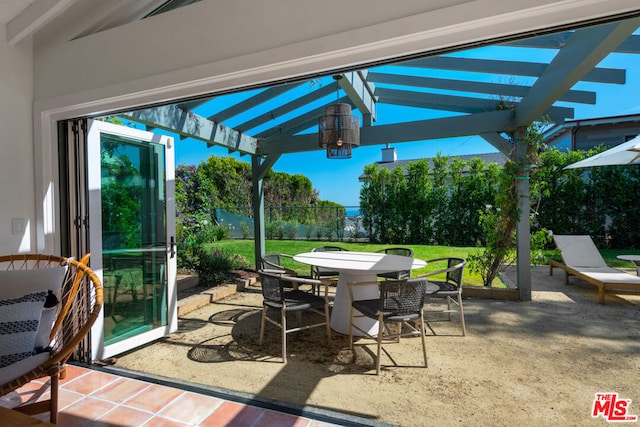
581,258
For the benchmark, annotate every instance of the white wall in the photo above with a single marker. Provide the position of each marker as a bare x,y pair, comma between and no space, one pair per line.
214,45
16,141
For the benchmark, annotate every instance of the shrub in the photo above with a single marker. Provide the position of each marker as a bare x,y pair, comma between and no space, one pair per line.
214,266
275,230
244,227
290,230
218,232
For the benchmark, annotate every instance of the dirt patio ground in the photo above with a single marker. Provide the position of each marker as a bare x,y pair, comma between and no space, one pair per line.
535,363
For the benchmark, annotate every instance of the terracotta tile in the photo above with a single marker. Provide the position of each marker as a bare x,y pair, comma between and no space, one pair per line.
154,398
233,414
68,398
120,390
87,384
73,372
80,414
165,422
191,408
123,416
29,391
272,418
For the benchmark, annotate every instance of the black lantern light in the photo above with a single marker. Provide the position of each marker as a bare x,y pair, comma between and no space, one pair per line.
338,130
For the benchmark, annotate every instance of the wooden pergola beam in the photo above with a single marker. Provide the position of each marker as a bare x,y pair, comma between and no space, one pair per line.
190,125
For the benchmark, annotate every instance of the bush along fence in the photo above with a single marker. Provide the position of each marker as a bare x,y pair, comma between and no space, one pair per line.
449,204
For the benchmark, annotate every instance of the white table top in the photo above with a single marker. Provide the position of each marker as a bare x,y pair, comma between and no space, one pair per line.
359,261
629,257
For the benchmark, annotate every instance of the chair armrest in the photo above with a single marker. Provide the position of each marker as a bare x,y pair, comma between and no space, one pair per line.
444,270
305,281
272,267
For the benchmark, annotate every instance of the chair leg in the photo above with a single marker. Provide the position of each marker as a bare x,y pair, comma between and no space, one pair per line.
328,320
380,329
449,308
424,340
262,324
283,325
53,404
351,328
461,311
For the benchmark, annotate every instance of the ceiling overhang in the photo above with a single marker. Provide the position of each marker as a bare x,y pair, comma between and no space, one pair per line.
483,96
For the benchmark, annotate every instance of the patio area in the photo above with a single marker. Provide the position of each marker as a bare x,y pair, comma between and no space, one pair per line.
537,363
93,397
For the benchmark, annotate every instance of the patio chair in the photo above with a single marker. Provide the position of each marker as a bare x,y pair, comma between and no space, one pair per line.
274,262
399,304
320,272
277,298
396,275
52,328
450,287
581,258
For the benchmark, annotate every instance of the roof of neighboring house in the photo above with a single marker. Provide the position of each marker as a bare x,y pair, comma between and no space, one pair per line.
558,130
498,158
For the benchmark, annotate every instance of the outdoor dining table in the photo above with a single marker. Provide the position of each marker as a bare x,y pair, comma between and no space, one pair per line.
356,267
635,259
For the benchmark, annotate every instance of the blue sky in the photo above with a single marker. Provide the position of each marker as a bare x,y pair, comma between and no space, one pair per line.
337,180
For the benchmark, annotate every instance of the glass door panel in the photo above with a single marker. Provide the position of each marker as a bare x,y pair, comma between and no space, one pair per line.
136,229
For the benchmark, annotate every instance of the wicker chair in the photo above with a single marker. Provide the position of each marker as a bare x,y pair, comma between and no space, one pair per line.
277,298
75,309
400,303
396,275
450,287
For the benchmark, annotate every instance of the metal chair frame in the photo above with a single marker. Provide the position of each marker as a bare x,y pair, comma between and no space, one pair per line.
453,280
401,303
279,298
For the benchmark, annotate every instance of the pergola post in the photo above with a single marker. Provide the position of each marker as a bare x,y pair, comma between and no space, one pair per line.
258,209
523,227
259,168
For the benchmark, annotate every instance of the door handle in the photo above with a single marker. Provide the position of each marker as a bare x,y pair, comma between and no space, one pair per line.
172,247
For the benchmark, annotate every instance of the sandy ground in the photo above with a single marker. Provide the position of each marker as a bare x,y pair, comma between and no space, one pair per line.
535,363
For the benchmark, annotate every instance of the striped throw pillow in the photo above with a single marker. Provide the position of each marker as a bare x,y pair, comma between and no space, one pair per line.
19,320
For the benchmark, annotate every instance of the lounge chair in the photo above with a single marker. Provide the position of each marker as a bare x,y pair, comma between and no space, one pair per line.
581,258
51,329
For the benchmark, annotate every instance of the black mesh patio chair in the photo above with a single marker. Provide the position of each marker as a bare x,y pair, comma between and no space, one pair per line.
320,272
277,297
275,262
396,275
400,305
450,286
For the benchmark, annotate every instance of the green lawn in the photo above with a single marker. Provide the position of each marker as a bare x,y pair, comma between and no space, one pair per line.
292,247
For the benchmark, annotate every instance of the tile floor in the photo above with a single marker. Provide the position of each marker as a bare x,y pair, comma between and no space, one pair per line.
95,398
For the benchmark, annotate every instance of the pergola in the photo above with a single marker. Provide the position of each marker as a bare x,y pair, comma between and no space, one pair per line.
287,113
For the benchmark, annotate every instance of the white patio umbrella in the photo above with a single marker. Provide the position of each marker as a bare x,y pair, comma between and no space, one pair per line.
623,154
